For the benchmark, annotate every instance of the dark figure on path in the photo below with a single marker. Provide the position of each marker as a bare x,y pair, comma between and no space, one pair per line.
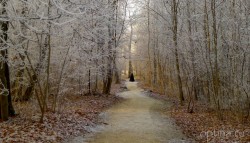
131,78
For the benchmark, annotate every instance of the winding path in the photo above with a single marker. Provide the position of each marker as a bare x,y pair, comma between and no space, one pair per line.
137,120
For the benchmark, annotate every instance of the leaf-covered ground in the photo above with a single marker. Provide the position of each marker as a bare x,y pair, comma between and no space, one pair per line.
78,114
204,126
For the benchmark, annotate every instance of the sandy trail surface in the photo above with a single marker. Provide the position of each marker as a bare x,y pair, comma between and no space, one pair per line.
139,119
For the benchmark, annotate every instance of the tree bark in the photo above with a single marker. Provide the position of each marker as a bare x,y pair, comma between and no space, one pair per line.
6,107
109,75
175,39
130,67
149,43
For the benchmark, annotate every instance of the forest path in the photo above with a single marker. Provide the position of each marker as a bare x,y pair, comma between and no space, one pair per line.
139,119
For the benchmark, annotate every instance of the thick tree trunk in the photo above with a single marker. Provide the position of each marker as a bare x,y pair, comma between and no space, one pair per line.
108,80
5,98
109,75
10,106
4,104
117,75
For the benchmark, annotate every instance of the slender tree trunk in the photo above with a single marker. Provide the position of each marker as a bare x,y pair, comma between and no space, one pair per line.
175,39
216,78
149,43
116,70
47,87
191,43
130,67
208,50
155,60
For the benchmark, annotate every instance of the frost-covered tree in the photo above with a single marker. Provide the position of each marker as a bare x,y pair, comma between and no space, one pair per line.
59,47
201,48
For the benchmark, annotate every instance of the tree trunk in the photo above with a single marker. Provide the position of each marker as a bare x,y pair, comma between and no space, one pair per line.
149,43
109,74
130,67
116,70
6,107
175,39
4,104
191,44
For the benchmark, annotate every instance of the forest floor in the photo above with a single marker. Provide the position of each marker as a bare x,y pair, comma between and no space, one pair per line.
78,115
203,124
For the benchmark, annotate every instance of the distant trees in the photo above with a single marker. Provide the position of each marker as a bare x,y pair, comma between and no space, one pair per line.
202,51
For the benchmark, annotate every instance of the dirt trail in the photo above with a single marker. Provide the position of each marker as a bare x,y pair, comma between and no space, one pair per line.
136,120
